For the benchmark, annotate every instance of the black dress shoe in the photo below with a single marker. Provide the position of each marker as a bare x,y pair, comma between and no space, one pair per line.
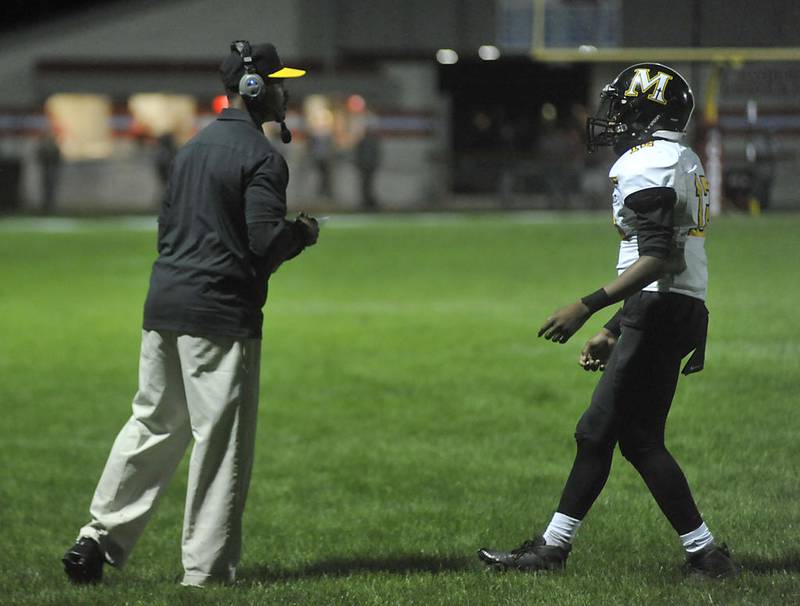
84,561
531,556
713,562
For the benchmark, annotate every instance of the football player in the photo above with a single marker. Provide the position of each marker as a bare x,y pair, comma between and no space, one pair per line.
660,207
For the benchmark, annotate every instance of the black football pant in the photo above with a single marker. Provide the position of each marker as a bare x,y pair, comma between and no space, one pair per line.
630,405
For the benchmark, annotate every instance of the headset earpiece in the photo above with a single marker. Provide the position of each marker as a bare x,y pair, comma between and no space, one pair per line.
251,85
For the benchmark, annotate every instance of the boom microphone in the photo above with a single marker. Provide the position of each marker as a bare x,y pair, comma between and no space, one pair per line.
286,134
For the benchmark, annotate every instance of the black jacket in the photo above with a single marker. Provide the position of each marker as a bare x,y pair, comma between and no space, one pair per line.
222,231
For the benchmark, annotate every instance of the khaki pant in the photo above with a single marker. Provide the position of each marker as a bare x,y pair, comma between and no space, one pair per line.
189,387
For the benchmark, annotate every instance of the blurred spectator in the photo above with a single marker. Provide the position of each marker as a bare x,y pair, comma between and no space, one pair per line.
739,187
507,131
366,144
748,186
761,155
49,156
320,121
10,173
368,158
560,152
321,150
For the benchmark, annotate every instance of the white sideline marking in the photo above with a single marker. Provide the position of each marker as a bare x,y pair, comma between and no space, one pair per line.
436,219
68,225
344,221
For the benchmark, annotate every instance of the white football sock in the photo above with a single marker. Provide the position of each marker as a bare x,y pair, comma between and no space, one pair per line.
697,539
561,530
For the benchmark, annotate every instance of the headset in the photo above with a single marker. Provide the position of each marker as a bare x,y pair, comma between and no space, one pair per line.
251,85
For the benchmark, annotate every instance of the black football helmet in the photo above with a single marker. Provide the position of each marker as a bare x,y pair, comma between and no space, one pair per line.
643,98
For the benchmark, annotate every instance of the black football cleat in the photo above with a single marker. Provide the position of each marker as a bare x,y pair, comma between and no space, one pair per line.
84,561
712,562
532,556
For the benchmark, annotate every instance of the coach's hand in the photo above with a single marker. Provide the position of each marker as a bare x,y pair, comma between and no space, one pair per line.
597,350
565,322
310,228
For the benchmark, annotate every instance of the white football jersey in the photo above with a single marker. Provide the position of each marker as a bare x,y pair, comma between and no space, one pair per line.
665,163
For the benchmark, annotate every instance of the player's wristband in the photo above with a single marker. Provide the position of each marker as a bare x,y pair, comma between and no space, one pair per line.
597,300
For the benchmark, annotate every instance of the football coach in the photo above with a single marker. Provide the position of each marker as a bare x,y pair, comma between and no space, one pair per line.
222,232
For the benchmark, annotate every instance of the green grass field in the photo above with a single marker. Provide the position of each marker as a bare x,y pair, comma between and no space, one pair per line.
409,415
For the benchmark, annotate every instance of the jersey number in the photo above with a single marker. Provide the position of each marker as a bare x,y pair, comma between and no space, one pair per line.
703,201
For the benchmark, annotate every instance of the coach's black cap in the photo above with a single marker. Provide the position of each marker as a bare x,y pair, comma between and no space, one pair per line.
266,60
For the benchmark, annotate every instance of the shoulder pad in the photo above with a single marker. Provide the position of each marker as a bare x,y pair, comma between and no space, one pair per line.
644,166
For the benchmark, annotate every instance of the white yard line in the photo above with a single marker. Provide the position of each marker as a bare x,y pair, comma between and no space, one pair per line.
436,219
73,225
343,221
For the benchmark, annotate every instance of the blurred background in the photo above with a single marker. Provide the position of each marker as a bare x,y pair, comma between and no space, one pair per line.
414,105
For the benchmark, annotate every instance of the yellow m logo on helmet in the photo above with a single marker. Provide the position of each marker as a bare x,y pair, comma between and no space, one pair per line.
643,82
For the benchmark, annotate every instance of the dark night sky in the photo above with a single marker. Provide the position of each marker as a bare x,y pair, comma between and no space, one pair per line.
19,13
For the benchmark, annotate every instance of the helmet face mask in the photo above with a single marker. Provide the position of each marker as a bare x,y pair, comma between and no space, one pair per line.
605,127
642,99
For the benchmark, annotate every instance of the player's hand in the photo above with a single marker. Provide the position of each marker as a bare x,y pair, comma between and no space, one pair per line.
565,322
597,350
310,228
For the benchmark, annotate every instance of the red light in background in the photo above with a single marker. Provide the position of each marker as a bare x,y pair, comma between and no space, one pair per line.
219,103
356,103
